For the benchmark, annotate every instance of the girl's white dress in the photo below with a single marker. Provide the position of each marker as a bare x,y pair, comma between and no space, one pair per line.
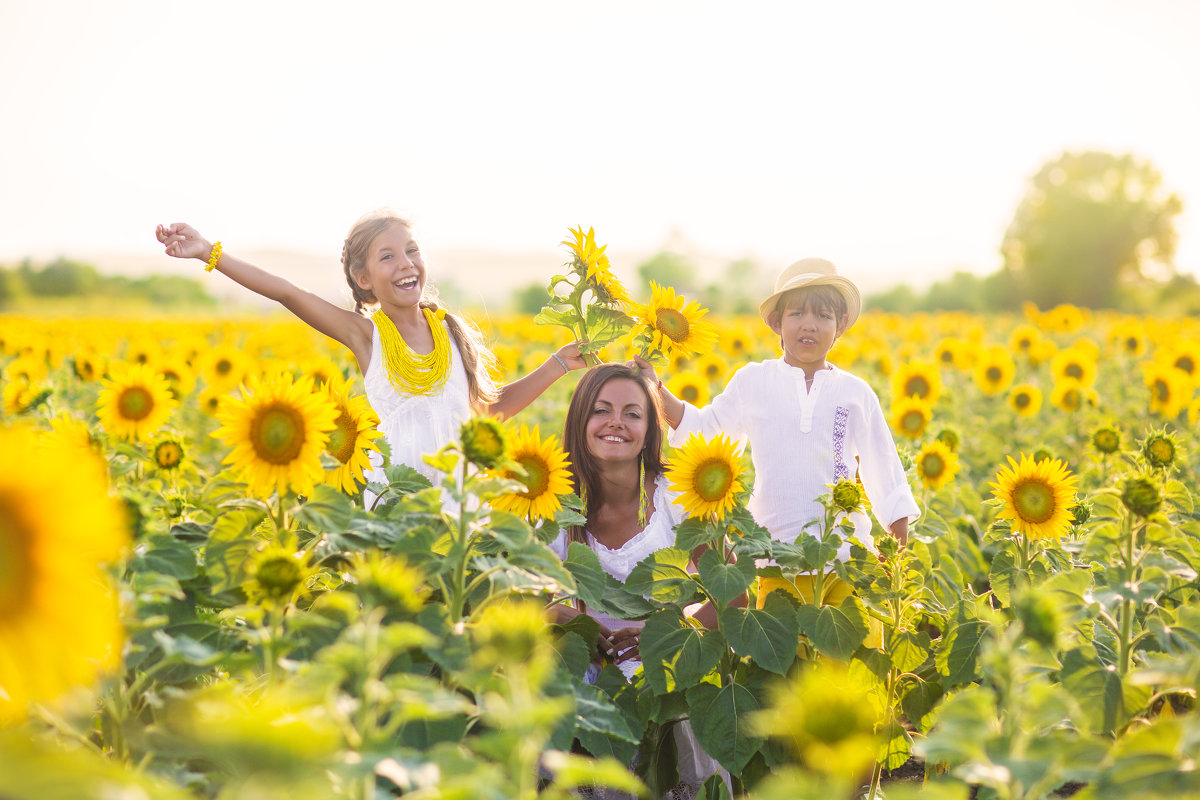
415,424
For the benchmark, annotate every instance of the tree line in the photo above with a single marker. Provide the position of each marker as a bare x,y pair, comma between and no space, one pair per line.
68,278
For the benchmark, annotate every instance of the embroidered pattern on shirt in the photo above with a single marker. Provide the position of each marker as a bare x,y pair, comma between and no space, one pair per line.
840,471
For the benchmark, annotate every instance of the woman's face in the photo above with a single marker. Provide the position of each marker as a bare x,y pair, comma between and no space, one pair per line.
617,421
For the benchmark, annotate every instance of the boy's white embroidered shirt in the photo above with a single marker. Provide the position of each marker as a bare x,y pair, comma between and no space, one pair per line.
803,439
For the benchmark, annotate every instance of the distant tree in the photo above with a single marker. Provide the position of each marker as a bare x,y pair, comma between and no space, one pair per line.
738,290
12,287
899,299
63,278
529,299
668,269
1089,224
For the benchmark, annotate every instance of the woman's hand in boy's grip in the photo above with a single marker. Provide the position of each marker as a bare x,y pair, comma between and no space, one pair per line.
183,241
624,644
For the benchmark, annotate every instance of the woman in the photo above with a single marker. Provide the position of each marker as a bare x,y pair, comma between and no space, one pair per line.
613,438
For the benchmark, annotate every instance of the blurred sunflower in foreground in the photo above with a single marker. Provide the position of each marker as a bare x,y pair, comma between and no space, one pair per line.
59,625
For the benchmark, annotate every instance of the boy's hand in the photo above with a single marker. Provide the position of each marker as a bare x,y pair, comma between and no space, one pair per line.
183,241
624,643
645,367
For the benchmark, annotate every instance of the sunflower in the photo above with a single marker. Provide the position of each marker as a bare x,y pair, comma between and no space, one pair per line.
1024,338
910,416
937,464
1170,389
1067,395
707,473
1036,495
544,472
1128,338
675,326
353,436
947,352
20,396
1076,364
609,290
277,575
1106,439
713,367
168,454
737,342
918,378
587,256
1065,318
1161,450
180,377
691,387
135,402
1140,494
1025,399
994,370
59,624
1184,355
225,366
949,437
484,442
277,430
88,366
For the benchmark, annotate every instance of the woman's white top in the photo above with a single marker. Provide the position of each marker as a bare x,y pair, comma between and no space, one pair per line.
415,425
658,533
804,439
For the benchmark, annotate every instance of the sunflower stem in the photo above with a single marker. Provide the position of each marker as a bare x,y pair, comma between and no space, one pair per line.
1127,610
458,587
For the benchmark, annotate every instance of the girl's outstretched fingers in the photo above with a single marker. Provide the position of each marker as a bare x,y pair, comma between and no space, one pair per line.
181,240
570,354
646,368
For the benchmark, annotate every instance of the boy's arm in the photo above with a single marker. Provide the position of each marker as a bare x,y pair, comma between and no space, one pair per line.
882,474
351,329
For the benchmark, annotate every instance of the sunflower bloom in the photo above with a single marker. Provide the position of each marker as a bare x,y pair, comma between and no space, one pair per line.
674,325
277,431
1067,395
910,417
994,370
59,624
1036,495
1170,389
353,436
937,464
691,387
136,401
707,474
586,254
918,378
1025,399
1076,364
546,476
609,289
277,575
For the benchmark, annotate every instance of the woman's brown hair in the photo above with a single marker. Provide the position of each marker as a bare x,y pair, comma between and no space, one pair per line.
477,358
585,467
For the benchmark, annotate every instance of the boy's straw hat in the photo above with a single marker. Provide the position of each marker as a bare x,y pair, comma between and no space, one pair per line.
813,272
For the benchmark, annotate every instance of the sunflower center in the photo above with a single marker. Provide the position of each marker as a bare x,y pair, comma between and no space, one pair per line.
1071,399
342,438
946,357
672,323
913,421
1161,451
917,385
537,477
1186,364
690,393
1034,501
223,366
933,465
1162,390
1131,344
277,433
1073,371
278,576
135,403
994,373
1022,400
15,562
713,479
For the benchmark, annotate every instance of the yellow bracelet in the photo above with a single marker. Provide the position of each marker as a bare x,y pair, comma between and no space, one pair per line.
214,257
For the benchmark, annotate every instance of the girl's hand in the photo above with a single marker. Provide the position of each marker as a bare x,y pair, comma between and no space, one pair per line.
183,241
571,356
603,646
625,643
646,368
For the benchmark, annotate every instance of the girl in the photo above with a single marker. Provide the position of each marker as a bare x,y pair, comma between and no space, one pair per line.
613,439
424,370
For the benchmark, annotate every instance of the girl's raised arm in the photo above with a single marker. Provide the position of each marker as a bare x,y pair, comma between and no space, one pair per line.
353,330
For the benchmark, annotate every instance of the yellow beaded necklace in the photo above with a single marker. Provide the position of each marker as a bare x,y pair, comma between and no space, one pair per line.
408,372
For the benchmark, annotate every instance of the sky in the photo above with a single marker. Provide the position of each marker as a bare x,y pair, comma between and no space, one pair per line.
894,138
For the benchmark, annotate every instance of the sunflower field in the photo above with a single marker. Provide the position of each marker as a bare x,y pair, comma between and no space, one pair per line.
200,598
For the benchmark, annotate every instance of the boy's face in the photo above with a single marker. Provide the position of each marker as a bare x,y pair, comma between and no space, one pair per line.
807,330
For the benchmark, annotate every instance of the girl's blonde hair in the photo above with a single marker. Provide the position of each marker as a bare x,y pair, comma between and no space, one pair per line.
476,356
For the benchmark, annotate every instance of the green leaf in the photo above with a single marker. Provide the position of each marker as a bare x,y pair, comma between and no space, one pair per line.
573,652
229,546
719,720
663,577
958,654
836,631
549,315
403,479
604,325
909,649
919,701
166,557
620,602
584,565
675,654
768,635
724,582
327,509
695,531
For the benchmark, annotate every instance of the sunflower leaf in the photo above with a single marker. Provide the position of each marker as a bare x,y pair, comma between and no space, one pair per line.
724,582
327,510
584,565
663,577
836,631
719,720
768,635
229,546
676,654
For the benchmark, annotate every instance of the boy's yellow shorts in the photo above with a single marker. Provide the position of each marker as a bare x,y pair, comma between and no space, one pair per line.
833,591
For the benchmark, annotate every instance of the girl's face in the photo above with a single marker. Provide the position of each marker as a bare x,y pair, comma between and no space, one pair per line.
617,422
395,271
